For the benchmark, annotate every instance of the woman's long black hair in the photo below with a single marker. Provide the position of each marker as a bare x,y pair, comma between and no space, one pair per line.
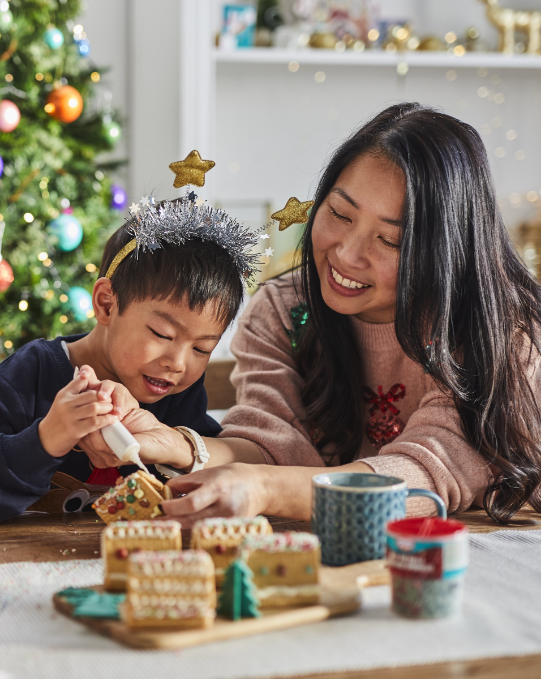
466,305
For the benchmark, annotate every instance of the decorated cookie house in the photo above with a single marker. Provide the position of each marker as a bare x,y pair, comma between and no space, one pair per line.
285,568
221,538
122,538
170,589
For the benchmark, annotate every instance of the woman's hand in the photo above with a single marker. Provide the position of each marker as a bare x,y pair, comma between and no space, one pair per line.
230,490
159,443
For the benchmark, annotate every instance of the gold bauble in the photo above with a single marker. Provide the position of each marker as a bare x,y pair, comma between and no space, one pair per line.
323,41
430,43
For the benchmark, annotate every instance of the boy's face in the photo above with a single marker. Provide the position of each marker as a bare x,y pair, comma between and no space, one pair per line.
156,348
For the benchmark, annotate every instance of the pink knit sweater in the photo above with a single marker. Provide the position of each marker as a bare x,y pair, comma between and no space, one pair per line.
430,453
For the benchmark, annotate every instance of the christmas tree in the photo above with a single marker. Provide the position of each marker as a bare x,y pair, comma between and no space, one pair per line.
57,203
238,599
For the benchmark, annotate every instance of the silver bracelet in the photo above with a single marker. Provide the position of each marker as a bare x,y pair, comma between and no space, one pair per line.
201,454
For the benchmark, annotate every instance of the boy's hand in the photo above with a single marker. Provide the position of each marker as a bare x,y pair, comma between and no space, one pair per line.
76,412
123,402
107,390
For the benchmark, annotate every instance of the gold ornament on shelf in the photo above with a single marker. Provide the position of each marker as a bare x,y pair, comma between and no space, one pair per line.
191,170
529,242
507,21
294,212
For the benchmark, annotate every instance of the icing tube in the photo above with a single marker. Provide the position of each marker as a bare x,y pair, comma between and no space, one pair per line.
120,441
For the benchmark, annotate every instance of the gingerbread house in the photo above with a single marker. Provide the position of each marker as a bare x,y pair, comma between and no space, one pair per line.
122,538
285,568
221,537
170,590
134,498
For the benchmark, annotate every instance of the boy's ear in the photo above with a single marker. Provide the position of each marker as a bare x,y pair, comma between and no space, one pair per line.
103,300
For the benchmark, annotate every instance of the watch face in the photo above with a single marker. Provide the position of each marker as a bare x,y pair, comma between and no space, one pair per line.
168,471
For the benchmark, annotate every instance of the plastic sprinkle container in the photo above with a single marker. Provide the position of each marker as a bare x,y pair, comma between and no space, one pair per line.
428,558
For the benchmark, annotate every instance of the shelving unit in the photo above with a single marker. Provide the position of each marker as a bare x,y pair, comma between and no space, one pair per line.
368,58
246,109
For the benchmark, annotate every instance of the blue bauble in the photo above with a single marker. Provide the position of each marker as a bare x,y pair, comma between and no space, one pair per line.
119,197
79,302
83,47
68,232
53,38
1,166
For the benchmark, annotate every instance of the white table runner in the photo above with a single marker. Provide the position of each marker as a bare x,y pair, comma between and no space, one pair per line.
502,617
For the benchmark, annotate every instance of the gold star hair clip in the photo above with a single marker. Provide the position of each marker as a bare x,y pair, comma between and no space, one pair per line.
294,212
191,170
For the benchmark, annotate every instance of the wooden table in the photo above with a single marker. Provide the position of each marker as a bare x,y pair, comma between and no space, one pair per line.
77,536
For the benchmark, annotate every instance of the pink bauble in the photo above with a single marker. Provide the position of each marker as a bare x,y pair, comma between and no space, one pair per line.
6,275
9,116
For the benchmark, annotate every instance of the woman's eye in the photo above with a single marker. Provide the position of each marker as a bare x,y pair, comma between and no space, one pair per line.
388,244
158,334
338,215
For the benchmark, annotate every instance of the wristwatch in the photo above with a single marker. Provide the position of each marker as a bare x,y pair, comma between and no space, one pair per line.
201,455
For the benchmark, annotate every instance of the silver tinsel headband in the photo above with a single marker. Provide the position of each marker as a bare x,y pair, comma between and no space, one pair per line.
176,222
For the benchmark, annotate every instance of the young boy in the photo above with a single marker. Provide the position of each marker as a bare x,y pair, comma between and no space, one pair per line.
162,301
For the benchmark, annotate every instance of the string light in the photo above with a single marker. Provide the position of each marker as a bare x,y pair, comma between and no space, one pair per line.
91,267
63,319
63,299
47,262
90,313
8,344
28,217
95,77
39,76
23,305
43,256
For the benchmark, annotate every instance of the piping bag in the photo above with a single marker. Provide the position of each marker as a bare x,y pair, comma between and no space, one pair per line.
121,441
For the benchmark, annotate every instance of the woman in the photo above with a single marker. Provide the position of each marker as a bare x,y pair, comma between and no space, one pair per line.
406,344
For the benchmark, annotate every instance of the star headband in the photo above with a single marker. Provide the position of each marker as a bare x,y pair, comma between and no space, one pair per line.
178,221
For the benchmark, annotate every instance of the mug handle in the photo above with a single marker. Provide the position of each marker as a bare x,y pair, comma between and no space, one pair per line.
440,504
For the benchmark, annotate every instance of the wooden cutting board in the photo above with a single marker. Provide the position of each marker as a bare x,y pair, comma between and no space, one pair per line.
340,595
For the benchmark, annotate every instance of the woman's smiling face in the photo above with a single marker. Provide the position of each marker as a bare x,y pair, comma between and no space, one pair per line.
356,239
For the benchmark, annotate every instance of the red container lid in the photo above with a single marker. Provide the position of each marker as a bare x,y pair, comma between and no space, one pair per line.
425,527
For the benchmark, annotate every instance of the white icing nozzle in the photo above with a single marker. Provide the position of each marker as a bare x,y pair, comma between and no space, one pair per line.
122,443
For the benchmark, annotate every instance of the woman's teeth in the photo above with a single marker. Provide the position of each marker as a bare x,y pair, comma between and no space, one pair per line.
345,282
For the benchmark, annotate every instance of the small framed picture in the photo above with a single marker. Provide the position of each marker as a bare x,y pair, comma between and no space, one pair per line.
238,26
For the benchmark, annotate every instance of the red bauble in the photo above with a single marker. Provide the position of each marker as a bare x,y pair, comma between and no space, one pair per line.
6,275
9,116
64,104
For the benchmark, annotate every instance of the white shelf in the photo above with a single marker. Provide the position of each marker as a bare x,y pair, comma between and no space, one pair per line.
322,57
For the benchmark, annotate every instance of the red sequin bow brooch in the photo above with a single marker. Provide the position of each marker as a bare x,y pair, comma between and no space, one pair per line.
383,425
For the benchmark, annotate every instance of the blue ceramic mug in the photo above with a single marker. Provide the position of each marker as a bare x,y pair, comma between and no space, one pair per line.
351,510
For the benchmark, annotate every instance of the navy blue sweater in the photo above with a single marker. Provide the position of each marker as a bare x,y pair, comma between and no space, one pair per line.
29,382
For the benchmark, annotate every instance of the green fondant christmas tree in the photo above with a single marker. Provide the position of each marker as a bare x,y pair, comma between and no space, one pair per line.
238,598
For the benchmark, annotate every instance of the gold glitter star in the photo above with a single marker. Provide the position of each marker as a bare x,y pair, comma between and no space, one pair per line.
191,170
294,212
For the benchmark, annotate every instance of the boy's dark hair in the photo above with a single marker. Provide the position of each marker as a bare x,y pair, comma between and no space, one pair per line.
196,272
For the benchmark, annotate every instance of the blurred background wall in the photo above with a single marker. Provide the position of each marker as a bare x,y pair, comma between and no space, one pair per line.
272,129
270,117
